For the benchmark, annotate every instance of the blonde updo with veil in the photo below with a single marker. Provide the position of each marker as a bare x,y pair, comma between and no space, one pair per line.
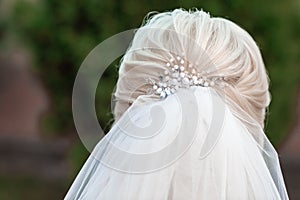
213,44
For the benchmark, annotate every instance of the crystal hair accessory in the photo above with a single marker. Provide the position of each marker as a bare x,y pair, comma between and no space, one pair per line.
181,74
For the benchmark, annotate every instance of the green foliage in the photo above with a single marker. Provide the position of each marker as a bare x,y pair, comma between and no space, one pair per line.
61,34
25,187
78,155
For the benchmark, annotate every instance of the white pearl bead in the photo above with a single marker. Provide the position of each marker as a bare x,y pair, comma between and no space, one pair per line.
181,68
155,87
201,81
182,74
166,72
178,58
159,90
168,64
182,61
185,81
176,66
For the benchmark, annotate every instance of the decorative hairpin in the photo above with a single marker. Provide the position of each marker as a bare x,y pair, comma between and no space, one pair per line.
178,76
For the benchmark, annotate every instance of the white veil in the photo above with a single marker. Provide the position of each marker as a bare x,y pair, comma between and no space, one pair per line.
154,137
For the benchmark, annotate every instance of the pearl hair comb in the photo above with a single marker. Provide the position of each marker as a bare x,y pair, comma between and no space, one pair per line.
182,75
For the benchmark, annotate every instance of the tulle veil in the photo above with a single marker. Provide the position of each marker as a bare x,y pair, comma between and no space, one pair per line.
188,146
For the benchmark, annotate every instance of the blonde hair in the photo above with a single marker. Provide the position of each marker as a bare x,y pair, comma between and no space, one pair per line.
222,48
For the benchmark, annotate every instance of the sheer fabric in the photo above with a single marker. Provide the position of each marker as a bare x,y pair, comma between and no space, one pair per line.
181,160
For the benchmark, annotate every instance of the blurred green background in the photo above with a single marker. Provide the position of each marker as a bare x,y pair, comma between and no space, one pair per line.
59,34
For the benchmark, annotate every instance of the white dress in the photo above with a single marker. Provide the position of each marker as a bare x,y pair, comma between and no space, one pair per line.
232,164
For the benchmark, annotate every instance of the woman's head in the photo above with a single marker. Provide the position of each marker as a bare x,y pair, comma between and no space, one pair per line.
215,45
